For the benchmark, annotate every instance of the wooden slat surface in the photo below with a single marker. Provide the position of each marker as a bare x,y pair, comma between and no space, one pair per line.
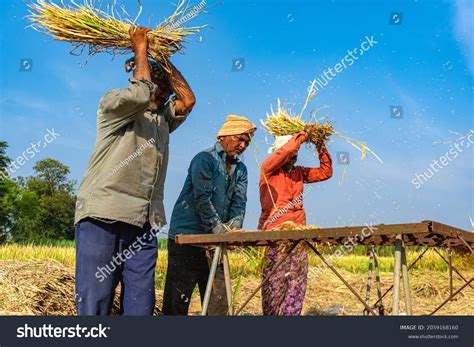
426,233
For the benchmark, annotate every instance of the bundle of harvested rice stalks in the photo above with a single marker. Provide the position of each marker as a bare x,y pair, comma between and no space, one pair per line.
282,122
106,31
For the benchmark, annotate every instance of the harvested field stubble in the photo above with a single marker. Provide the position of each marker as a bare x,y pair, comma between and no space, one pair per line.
46,287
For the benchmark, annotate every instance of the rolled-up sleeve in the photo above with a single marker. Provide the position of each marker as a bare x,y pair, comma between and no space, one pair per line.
323,172
120,106
173,120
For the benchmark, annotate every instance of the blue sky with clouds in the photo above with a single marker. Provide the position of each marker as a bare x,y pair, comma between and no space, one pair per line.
425,65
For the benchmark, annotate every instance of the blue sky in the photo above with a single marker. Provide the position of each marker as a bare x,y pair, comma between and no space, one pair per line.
425,65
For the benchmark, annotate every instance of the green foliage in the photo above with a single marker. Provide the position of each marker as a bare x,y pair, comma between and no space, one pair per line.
24,215
6,186
37,208
57,216
51,177
4,160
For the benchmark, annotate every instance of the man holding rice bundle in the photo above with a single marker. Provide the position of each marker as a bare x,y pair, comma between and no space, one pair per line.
213,199
119,206
281,198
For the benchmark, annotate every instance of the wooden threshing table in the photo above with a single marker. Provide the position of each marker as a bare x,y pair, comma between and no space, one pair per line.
427,233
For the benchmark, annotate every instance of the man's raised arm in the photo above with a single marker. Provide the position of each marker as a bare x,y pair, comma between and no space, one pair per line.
185,98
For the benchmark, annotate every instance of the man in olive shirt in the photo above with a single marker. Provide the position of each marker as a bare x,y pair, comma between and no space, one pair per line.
120,200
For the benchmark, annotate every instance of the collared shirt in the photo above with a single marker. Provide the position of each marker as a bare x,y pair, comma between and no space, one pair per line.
126,173
281,192
209,195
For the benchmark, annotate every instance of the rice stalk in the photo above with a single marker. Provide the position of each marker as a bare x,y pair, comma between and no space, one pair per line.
106,31
281,122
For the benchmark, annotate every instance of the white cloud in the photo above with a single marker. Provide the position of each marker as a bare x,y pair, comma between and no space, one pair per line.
463,28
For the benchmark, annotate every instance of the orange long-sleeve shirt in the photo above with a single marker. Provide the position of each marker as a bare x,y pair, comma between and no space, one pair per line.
287,188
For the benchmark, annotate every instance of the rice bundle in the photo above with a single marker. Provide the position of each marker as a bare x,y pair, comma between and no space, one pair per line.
105,31
282,123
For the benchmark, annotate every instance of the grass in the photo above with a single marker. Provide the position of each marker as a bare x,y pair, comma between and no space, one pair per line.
245,261
39,280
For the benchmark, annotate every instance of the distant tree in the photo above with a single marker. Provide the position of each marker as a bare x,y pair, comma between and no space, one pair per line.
51,176
4,159
57,216
42,206
5,183
25,216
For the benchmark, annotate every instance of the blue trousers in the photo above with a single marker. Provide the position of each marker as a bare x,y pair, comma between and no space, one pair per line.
111,253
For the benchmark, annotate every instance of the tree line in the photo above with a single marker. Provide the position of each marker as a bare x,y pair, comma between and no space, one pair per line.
38,208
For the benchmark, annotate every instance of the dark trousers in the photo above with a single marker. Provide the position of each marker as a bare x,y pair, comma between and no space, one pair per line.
109,253
188,266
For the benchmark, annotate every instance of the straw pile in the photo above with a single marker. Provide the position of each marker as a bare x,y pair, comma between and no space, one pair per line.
106,31
36,288
41,288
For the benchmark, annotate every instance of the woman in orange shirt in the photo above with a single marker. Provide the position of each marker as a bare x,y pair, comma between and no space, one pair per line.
281,198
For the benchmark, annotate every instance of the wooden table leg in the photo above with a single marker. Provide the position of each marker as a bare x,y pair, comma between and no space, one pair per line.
228,284
210,281
450,265
379,303
406,282
396,276
411,265
369,280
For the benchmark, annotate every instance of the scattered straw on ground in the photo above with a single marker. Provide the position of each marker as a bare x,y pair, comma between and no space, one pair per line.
40,288
47,288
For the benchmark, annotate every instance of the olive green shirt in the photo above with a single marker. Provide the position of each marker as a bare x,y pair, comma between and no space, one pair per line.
125,176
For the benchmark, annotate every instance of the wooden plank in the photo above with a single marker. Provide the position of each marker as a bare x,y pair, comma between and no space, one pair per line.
426,233
262,238
452,231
